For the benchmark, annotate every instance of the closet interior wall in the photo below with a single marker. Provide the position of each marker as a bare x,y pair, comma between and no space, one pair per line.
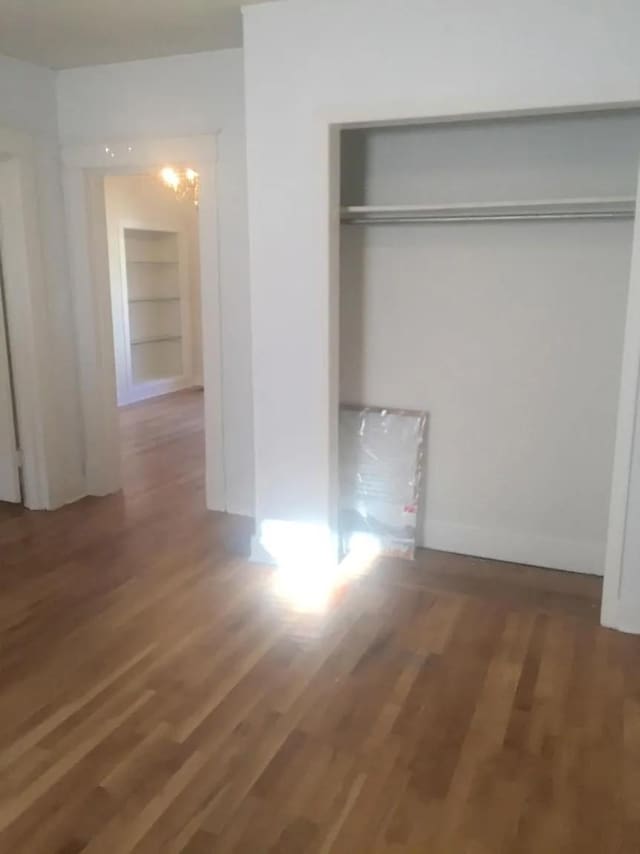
509,334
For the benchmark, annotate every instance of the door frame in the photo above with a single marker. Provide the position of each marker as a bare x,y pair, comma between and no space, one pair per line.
85,167
614,612
26,300
10,477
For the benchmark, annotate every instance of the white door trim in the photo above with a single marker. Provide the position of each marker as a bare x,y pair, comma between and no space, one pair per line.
84,169
26,301
614,612
10,489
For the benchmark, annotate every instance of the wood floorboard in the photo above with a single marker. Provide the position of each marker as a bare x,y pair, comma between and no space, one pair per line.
158,693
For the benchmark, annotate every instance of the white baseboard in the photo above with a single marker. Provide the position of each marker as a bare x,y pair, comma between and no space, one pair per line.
72,491
615,615
516,547
512,547
156,388
258,552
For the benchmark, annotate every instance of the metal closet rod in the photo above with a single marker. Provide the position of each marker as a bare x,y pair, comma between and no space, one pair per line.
430,218
611,207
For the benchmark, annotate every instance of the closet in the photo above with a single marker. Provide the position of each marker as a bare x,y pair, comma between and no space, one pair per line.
484,277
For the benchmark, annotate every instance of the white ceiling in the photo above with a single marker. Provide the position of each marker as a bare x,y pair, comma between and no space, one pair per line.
67,33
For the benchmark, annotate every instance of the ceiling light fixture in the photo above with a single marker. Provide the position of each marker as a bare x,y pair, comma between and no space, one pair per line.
185,183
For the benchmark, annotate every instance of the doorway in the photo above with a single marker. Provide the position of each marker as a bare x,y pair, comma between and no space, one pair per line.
156,309
85,169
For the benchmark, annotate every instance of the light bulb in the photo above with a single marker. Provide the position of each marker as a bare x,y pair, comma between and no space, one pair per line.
170,177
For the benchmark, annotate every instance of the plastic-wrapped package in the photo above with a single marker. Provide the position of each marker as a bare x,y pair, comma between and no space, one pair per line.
381,469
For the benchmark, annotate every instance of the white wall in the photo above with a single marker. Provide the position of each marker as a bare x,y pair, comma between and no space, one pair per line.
509,335
28,103
144,199
548,157
520,385
357,61
183,96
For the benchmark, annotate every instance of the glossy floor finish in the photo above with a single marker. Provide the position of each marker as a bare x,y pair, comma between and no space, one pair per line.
159,694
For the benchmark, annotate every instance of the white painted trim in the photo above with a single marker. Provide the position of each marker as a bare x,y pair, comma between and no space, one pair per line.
624,621
212,359
86,219
258,552
10,458
629,400
395,112
517,547
84,169
25,294
157,389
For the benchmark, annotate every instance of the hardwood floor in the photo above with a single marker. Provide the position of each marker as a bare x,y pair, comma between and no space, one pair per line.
160,694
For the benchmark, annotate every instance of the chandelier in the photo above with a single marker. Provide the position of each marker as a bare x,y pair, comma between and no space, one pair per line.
185,183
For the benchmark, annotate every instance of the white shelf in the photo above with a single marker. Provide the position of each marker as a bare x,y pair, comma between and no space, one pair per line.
155,339
613,207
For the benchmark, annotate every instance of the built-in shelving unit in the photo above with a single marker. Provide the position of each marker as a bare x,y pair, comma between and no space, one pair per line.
154,305
614,207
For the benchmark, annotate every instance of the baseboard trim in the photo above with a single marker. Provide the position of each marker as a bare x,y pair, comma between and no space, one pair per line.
620,618
516,547
258,552
157,388
495,544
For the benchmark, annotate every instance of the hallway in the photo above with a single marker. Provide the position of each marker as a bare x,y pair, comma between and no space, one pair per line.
162,439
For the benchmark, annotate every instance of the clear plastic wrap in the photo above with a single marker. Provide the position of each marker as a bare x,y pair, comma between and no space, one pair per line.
381,469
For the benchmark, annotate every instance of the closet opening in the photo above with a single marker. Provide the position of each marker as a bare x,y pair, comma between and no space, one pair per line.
154,274
484,272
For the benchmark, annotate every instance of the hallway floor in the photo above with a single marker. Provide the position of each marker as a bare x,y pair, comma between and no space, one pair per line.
161,694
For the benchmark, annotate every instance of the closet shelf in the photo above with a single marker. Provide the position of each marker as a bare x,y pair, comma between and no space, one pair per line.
614,207
155,339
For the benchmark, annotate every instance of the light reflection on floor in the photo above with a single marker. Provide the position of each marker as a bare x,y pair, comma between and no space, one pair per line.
306,579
